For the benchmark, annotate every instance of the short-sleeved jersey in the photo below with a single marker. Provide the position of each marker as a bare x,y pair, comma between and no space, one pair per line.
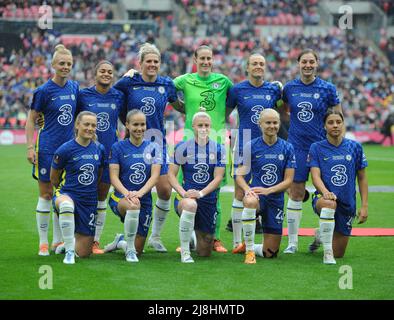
198,164
308,105
81,167
269,163
107,107
338,167
250,101
210,93
58,106
149,97
135,164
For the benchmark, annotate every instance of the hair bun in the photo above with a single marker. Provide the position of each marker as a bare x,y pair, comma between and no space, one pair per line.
59,47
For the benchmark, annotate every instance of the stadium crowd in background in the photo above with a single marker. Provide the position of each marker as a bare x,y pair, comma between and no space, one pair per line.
74,9
366,96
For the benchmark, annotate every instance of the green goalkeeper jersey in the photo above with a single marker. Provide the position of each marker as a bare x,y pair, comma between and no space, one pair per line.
210,93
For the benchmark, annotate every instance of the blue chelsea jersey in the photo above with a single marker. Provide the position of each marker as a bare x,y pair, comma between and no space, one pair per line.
81,167
338,167
58,106
149,97
107,107
308,104
198,163
135,164
269,163
250,101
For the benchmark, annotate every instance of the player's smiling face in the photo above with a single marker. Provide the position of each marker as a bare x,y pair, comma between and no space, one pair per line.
150,66
136,126
62,65
204,61
104,74
269,125
87,127
256,66
308,65
202,127
334,125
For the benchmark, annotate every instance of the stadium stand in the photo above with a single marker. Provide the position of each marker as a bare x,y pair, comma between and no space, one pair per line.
358,67
74,9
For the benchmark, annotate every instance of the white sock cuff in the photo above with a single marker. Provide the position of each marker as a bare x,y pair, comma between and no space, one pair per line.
43,205
102,205
164,205
238,204
248,214
66,207
327,213
133,214
295,205
188,216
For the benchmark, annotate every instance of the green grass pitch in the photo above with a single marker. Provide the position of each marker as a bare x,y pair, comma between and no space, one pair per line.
162,276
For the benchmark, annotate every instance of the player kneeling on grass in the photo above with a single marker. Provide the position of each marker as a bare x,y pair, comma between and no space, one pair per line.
271,161
81,160
335,164
203,165
134,166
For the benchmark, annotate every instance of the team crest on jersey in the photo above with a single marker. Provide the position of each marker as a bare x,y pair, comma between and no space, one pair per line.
281,157
43,171
348,157
216,85
113,106
316,95
72,97
161,89
268,97
96,157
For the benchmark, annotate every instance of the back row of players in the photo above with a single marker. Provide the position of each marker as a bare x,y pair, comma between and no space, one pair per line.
267,165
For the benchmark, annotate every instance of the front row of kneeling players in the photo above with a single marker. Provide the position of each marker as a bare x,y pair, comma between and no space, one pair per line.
135,168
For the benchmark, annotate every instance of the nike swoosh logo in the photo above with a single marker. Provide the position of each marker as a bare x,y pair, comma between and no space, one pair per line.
54,98
91,104
126,155
75,158
325,159
259,156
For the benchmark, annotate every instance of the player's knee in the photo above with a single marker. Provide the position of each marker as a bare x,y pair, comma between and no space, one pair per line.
189,204
125,205
164,189
239,194
164,194
204,253
270,253
250,202
133,206
83,254
47,195
330,204
297,192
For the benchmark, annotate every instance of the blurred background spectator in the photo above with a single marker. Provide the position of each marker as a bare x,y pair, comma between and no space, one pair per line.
362,73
